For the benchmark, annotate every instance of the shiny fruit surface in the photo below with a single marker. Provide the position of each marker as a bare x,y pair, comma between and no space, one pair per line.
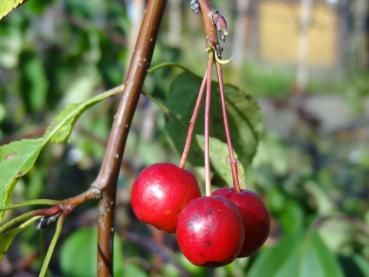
160,192
210,231
255,216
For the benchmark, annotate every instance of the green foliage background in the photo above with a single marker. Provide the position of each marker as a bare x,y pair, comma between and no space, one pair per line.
55,53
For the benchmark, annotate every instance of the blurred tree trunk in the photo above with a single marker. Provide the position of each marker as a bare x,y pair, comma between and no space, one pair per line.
302,75
135,12
360,34
175,22
239,33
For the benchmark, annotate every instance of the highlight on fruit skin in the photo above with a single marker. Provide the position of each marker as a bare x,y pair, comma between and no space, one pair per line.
255,216
210,231
160,192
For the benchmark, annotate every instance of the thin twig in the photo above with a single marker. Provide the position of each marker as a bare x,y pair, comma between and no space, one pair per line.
63,207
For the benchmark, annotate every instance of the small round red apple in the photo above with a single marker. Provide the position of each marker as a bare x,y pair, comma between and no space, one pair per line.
210,231
160,192
255,216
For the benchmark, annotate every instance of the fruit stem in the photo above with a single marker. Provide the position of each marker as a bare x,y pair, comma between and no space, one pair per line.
192,122
233,161
207,124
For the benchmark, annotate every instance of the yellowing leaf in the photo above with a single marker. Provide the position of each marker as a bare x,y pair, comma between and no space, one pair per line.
7,5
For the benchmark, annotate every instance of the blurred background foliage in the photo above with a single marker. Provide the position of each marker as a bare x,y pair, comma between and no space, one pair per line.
312,163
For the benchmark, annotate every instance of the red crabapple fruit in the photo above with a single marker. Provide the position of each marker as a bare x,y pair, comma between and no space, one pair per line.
210,231
255,216
160,192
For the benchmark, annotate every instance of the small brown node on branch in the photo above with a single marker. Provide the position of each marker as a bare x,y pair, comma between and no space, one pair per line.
215,27
221,25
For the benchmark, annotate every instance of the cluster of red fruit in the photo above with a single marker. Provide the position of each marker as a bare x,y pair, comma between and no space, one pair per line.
211,230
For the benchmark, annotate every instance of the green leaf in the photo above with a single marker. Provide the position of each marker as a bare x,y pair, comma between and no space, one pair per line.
7,5
324,204
337,233
219,159
291,216
298,255
59,133
244,116
193,270
63,125
79,252
133,270
11,45
7,238
18,157
83,86
34,83
362,264
243,112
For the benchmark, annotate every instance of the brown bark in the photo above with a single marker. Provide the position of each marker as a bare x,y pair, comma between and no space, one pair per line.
108,175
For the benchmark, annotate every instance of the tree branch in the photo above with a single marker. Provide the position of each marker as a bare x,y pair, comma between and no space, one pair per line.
108,175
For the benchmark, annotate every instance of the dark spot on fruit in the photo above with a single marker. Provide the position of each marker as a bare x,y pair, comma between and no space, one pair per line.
207,243
209,211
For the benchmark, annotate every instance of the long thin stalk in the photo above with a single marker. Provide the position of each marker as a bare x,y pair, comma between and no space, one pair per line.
52,246
207,126
192,123
15,221
233,161
108,175
34,202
